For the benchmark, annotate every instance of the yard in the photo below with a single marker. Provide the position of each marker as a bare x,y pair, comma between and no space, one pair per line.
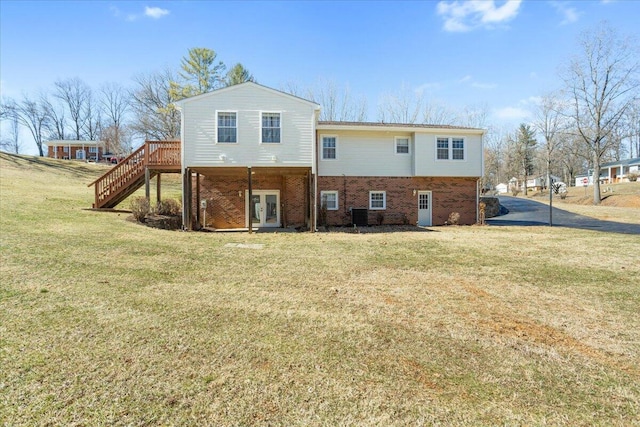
107,322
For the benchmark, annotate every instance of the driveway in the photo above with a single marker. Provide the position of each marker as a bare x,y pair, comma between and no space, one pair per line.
525,212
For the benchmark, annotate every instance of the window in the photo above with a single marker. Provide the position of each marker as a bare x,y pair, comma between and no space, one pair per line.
270,127
377,200
227,129
65,149
402,146
329,147
329,199
443,149
93,149
449,148
457,149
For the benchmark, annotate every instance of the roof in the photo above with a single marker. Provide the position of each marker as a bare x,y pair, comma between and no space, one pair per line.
392,126
72,142
246,84
627,162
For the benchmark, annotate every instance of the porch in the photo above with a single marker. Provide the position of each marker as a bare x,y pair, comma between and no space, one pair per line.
248,198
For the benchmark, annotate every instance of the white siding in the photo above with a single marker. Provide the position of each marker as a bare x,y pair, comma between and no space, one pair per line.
426,163
372,153
366,153
248,101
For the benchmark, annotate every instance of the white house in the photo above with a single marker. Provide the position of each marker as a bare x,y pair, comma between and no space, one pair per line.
256,157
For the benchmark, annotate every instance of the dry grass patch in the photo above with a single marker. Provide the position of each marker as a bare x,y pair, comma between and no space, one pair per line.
106,322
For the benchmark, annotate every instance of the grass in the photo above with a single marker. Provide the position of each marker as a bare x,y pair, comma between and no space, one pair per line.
106,322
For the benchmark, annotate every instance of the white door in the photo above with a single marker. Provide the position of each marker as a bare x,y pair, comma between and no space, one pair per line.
80,154
424,208
266,208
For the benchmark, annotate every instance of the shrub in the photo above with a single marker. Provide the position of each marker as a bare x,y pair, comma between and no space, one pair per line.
633,177
140,208
169,207
454,218
514,191
379,218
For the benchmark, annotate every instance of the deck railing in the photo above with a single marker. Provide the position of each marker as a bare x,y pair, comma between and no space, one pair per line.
153,154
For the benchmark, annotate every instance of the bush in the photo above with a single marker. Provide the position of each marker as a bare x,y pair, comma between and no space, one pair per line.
140,208
515,191
169,207
454,218
633,177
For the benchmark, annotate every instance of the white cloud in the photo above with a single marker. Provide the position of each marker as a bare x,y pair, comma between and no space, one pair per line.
468,79
511,113
155,12
461,16
569,14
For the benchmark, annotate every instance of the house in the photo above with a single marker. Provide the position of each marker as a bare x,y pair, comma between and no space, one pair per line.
611,172
617,171
74,149
255,157
502,188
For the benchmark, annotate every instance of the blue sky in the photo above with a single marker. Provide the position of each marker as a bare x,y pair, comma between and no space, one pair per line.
494,53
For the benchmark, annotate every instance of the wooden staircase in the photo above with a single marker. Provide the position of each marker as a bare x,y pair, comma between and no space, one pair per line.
131,173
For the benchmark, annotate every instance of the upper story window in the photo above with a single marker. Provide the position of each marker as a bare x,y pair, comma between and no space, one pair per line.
227,127
450,148
270,127
329,200
329,147
377,200
402,145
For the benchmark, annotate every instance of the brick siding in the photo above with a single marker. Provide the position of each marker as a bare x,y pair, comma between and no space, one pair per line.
226,199
448,195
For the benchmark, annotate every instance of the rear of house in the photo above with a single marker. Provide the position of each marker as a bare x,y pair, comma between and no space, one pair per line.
255,157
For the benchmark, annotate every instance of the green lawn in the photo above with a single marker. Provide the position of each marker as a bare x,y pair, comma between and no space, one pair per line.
107,322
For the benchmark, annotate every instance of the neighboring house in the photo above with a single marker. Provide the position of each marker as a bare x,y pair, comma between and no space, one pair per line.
611,172
502,188
75,150
534,183
257,157
617,171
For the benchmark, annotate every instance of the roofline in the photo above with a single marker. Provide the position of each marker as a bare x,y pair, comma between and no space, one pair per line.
395,127
233,87
72,142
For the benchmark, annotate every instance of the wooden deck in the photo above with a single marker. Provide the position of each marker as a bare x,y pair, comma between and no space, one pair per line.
152,158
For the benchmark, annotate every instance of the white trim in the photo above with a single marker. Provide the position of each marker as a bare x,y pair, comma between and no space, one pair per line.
395,145
279,113
322,148
216,122
322,193
384,200
450,148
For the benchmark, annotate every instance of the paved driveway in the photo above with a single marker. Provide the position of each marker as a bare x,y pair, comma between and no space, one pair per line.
527,212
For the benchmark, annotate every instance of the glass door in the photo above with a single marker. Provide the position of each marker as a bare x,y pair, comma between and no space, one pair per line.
264,208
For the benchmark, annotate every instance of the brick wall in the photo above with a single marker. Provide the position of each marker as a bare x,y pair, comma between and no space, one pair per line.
448,195
226,198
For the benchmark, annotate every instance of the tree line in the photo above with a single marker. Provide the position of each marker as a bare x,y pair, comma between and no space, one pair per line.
115,113
594,117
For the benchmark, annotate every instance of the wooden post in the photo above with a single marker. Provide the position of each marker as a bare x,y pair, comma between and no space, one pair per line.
147,189
158,193
250,196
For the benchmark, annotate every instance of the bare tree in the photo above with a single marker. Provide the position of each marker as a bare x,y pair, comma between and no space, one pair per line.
602,82
550,122
337,103
57,121
152,104
93,122
115,102
403,106
74,94
437,113
34,115
9,112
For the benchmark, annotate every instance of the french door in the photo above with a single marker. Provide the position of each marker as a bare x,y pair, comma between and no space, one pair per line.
266,208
